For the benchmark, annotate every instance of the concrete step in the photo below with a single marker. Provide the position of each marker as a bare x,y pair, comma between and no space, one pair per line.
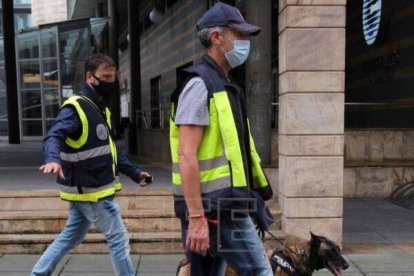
51,222
140,243
146,243
30,221
144,198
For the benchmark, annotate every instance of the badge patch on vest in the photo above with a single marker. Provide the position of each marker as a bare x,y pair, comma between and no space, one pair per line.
101,132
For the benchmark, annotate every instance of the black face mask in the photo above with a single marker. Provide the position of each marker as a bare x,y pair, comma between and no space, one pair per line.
104,88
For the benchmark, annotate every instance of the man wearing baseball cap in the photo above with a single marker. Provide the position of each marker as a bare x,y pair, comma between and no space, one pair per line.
217,175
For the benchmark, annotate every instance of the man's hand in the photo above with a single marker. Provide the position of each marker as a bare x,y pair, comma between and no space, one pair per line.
142,176
198,236
53,167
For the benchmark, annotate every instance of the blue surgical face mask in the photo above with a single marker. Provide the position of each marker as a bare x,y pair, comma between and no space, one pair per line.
239,54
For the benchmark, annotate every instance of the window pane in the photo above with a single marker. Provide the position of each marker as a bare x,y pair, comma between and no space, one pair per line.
31,104
72,76
51,103
29,74
155,102
1,50
50,74
3,105
49,43
2,77
32,128
22,1
4,128
22,21
75,44
28,45
75,49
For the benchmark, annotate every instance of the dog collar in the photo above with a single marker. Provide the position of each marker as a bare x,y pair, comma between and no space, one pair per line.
278,259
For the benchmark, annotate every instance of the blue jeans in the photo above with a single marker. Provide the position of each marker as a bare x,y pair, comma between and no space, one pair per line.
234,241
105,215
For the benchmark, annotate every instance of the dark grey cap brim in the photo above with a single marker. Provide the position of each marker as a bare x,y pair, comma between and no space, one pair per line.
245,29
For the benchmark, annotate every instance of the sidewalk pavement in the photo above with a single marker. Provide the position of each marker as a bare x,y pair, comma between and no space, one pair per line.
394,263
19,169
378,236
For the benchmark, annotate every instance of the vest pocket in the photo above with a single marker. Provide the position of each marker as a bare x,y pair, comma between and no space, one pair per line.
94,174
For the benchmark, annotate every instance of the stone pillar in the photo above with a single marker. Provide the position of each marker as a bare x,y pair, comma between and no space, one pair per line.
311,116
259,76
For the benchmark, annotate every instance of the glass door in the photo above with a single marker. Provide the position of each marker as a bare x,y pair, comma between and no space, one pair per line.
50,76
30,86
38,82
50,69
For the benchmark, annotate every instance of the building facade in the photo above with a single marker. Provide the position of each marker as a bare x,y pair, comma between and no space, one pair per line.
49,11
330,86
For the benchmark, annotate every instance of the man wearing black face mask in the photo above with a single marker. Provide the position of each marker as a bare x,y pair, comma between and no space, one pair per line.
80,149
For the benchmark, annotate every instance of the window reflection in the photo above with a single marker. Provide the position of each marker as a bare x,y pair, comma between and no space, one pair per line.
3,105
2,77
22,21
3,128
51,98
29,74
19,2
32,128
50,74
49,48
31,104
28,45
75,47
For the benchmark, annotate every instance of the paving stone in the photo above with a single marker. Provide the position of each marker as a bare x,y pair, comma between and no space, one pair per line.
352,268
384,263
366,237
157,273
159,264
87,274
390,274
93,263
13,273
16,263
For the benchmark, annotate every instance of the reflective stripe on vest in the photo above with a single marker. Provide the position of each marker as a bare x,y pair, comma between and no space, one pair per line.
90,194
206,187
76,144
215,168
204,165
83,155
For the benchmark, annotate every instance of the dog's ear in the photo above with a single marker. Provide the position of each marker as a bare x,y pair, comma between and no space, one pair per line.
315,240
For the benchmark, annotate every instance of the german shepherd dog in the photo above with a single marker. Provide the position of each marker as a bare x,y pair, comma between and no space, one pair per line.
297,258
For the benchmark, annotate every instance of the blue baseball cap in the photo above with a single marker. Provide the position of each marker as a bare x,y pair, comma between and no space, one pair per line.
223,15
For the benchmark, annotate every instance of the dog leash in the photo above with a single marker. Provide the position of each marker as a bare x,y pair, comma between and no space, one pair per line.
301,254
